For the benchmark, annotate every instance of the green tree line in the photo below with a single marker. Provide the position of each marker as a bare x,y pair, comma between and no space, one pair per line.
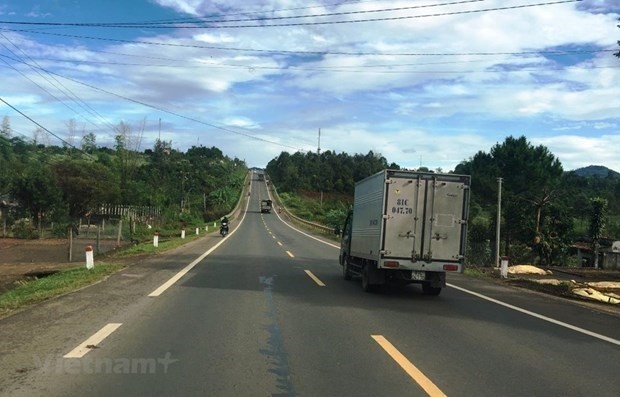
544,208
54,184
328,172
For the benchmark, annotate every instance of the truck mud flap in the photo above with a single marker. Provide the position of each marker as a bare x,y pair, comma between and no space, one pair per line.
375,276
436,279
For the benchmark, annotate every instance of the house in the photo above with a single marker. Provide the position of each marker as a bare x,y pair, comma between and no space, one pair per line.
608,255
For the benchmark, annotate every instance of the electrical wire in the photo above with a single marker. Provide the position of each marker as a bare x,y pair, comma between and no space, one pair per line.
58,85
45,129
314,53
338,69
174,113
156,25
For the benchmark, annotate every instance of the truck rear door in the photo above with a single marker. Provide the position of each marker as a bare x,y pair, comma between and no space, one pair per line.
445,219
425,217
403,225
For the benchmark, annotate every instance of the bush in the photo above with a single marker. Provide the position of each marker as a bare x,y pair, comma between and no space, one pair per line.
23,228
335,217
59,230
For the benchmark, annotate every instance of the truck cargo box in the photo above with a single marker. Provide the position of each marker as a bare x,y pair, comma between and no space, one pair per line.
414,223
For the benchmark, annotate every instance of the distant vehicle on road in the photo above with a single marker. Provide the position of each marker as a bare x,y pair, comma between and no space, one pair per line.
265,206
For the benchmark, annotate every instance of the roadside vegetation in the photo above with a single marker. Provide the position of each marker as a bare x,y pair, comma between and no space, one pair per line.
45,190
120,192
44,287
545,209
49,284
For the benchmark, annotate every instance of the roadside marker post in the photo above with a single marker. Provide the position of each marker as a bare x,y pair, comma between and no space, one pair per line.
156,240
503,269
182,233
90,261
197,231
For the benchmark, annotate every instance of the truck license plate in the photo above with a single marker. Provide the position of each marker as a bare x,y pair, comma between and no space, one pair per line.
416,275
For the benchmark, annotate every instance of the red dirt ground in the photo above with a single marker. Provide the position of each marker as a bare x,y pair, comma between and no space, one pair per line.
19,258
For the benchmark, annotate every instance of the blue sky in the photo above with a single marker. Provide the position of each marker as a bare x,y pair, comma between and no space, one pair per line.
424,82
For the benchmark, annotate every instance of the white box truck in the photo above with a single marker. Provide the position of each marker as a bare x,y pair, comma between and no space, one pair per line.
407,227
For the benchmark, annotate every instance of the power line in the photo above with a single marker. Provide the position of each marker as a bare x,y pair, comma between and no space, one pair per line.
336,69
300,52
270,11
165,24
44,129
383,19
174,113
58,85
294,24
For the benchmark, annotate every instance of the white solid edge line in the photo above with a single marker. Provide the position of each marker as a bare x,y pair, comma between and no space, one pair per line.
315,278
539,316
94,340
189,267
299,231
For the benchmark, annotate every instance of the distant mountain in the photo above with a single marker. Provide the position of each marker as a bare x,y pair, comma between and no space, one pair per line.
596,170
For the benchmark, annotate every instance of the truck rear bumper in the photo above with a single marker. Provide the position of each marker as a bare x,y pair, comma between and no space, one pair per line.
435,279
451,267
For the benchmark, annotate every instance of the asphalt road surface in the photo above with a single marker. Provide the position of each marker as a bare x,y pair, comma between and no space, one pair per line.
266,312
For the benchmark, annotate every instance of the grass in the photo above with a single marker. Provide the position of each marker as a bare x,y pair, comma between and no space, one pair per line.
165,244
480,272
28,292
32,291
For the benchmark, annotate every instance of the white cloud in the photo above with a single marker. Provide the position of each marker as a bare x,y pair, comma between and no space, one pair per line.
441,107
578,151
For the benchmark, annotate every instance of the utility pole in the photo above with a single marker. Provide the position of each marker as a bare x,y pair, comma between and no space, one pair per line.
499,217
318,152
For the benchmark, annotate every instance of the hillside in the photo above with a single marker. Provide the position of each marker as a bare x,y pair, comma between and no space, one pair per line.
596,170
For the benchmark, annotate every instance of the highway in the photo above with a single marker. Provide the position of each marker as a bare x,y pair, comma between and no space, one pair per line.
266,312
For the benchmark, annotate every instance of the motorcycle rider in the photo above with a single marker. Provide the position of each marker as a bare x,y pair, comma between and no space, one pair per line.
224,223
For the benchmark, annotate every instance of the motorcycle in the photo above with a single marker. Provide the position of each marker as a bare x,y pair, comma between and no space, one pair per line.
224,229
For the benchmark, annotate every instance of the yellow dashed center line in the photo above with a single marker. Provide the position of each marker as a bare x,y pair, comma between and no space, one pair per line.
426,384
315,278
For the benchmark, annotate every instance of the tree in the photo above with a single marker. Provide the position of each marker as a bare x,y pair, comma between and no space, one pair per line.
37,135
8,162
598,209
37,192
71,131
531,178
89,142
84,184
5,129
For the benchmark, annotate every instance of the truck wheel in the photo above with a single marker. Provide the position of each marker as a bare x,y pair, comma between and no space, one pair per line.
366,286
346,272
432,291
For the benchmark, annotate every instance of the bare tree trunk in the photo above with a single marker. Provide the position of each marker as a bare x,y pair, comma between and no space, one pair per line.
70,243
596,247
